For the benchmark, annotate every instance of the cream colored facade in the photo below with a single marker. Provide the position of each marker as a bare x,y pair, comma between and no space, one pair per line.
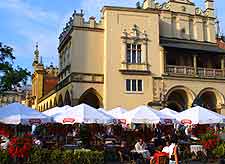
9,97
156,54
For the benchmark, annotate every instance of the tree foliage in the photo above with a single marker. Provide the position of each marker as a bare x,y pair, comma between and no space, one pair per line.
11,77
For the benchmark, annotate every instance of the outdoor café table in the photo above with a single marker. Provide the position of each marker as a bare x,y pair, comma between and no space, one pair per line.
145,153
112,146
197,148
110,139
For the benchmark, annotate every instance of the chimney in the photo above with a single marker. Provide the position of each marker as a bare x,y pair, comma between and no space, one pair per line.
78,18
92,22
209,5
149,4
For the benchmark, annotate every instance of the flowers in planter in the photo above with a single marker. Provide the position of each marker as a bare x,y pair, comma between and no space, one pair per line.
212,142
19,147
4,138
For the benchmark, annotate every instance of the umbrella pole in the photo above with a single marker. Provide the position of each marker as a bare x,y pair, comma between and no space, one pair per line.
15,130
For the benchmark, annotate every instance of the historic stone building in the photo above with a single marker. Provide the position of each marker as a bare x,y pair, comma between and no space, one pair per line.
18,95
9,97
156,54
44,80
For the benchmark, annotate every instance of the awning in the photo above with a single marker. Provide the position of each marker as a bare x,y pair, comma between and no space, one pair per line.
190,45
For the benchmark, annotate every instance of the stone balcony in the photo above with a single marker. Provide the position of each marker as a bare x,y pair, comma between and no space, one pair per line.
187,71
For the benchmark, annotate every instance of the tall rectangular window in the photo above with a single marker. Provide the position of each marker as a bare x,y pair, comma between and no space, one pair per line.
128,53
140,87
134,53
128,85
133,85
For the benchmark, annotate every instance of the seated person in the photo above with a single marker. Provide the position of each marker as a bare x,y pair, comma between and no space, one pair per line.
151,147
124,152
171,149
166,149
141,148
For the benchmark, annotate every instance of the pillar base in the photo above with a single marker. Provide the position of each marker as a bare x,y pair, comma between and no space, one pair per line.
156,105
222,111
75,102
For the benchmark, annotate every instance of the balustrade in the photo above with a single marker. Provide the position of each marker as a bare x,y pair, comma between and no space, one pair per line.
189,71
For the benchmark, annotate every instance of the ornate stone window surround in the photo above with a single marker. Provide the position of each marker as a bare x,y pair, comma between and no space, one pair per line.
137,38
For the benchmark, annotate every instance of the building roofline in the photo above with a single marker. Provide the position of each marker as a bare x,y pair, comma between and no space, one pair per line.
129,9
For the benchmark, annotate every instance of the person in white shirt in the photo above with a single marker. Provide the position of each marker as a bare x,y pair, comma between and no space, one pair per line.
171,150
141,148
166,149
4,143
188,131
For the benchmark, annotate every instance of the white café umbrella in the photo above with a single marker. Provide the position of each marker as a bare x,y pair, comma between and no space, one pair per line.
199,115
168,112
19,114
56,110
83,114
102,109
105,112
117,112
145,115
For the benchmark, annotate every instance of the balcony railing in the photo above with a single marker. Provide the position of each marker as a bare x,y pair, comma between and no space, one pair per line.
180,70
190,71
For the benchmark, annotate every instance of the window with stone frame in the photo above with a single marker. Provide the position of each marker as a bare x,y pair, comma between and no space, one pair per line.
134,85
133,53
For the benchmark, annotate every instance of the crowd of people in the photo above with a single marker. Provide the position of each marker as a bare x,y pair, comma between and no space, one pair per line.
139,142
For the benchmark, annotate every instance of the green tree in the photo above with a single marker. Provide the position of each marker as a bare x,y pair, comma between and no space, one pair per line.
11,77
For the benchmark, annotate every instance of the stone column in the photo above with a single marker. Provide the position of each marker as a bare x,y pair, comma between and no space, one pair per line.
222,65
75,102
124,51
144,53
163,59
195,64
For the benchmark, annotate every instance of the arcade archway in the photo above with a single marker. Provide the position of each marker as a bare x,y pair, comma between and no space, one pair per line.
92,98
60,101
67,99
55,102
210,98
50,105
179,98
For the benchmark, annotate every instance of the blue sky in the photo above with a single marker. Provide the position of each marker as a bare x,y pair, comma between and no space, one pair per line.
25,22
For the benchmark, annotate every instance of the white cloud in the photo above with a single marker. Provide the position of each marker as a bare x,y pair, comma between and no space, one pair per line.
22,8
33,24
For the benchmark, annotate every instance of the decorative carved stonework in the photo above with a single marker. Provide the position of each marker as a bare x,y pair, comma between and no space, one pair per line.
188,2
135,35
166,6
159,90
156,90
198,11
